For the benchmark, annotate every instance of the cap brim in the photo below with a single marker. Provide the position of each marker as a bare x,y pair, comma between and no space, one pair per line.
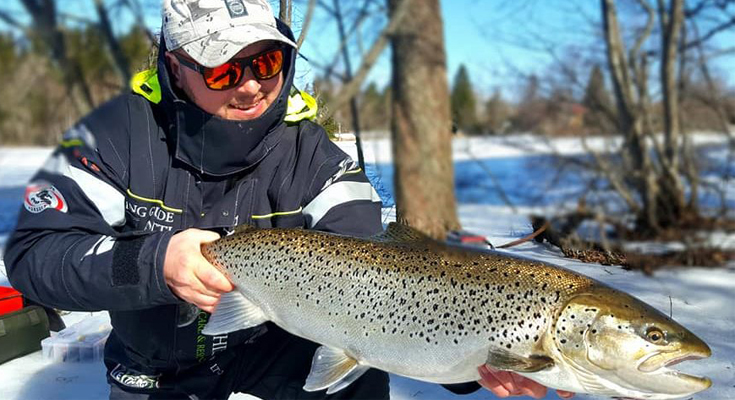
217,48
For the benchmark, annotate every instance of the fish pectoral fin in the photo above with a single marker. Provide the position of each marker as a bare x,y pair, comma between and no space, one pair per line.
333,370
234,312
507,361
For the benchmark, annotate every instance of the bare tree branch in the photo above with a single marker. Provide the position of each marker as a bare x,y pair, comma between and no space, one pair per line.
351,88
121,61
348,72
137,10
8,19
714,31
284,11
361,15
307,21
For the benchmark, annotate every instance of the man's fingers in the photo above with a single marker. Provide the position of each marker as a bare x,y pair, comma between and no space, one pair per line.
506,379
207,236
564,394
212,278
490,383
529,387
504,383
204,302
497,382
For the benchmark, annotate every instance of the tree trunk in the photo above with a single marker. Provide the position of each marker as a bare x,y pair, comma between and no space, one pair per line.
421,125
672,197
354,110
627,75
120,60
44,21
284,11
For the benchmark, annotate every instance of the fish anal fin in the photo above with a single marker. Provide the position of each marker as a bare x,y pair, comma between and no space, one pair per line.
234,312
333,370
507,361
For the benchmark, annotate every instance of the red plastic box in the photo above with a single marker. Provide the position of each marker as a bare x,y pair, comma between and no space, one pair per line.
10,300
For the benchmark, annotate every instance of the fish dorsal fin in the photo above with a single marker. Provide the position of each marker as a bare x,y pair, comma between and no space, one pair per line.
507,361
244,228
333,370
234,312
398,232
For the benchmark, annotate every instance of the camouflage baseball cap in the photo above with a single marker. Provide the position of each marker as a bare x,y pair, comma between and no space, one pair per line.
213,31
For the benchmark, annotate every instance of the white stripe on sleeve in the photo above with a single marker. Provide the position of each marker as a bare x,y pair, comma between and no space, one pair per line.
101,246
336,194
108,200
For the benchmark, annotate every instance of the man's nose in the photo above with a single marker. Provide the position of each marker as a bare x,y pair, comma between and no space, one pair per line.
249,84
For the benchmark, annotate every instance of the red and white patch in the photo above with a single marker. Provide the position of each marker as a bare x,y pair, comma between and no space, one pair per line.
42,195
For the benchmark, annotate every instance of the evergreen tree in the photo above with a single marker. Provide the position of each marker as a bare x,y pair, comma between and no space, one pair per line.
463,102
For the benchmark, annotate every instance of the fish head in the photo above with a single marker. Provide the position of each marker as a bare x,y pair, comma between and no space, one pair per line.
619,346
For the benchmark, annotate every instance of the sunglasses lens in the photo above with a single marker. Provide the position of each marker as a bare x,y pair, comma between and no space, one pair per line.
223,77
228,75
268,65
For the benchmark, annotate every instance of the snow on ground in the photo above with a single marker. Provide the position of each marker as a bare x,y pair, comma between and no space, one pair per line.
19,163
466,148
700,299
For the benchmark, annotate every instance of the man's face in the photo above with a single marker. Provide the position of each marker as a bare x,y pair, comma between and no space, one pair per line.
249,100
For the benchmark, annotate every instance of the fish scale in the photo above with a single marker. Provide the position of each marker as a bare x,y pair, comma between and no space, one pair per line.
376,298
407,304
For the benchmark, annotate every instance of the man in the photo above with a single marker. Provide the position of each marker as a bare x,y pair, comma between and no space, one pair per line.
208,140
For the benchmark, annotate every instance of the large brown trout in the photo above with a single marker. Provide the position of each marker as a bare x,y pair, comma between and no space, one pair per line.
412,306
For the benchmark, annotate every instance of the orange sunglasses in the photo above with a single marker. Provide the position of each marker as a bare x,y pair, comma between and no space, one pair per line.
265,65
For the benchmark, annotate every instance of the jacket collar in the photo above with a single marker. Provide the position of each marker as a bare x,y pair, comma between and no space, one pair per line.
215,146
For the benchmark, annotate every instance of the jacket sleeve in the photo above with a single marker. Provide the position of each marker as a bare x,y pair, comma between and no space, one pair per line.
67,250
340,198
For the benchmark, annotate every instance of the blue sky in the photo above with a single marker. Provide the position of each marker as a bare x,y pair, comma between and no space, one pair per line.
499,41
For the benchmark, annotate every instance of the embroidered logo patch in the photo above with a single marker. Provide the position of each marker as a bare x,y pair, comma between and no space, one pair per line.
236,8
42,195
133,379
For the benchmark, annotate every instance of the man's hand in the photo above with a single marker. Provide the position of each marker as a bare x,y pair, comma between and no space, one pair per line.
189,275
506,384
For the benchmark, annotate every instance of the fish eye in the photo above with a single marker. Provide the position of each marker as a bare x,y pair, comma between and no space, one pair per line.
655,335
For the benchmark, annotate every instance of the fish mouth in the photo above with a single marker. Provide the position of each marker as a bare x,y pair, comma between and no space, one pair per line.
658,363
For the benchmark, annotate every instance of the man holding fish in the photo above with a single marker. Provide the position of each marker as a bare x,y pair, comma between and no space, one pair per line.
211,138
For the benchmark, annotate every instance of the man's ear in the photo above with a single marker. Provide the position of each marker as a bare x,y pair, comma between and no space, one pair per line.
174,67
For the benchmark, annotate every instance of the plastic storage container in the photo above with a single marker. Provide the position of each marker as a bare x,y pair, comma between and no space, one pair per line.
81,342
10,300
